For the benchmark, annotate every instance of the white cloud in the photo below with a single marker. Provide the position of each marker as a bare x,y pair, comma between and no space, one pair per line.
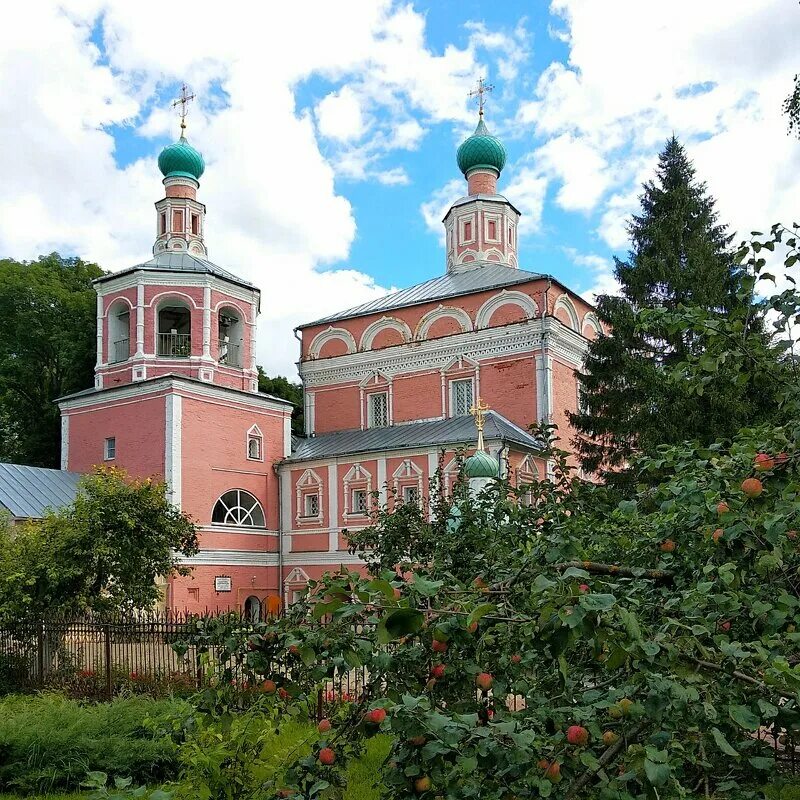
339,116
437,205
275,216
600,270
526,190
714,73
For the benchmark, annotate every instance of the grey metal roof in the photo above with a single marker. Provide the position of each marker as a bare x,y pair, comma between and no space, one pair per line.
179,262
27,491
485,275
489,198
453,431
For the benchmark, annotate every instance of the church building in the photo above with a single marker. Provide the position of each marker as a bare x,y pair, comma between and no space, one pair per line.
392,387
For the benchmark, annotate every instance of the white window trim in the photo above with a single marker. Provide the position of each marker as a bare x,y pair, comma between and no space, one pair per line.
370,409
408,474
107,454
356,479
498,222
453,382
462,224
307,514
255,433
357,512
308,483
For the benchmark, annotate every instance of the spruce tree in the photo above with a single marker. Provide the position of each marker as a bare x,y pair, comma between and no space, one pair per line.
680,256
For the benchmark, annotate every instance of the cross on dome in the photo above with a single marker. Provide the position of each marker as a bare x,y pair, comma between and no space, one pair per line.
482,89
186,96
478,411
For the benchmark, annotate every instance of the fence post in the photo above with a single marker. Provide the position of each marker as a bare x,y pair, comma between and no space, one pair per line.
320,708
107,649
40,652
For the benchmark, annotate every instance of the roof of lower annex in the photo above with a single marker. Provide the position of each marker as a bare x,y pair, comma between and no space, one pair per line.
453,432
163,382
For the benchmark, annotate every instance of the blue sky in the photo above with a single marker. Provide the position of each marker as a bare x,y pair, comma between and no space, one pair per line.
330,130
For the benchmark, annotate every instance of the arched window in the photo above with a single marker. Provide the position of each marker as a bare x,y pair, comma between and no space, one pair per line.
119,327
230,335
238,507
174,330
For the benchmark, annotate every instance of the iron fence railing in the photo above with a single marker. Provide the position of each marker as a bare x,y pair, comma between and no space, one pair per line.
175,345
120,350
229,354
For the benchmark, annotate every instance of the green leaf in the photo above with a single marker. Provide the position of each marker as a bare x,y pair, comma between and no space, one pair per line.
384,587
761,762
597,602
425,587
723,743
481,611
657,774
744,717
399,623
323,609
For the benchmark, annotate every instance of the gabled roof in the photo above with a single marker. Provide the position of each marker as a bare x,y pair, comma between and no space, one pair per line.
179,262
485,275
26,492
454,431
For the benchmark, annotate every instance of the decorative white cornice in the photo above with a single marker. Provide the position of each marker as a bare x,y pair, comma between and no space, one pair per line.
479,345
167,278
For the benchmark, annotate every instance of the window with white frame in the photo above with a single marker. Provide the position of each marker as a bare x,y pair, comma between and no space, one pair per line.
311,505
461,397
411,495
255,444
359,505
238,507
378,409
110,449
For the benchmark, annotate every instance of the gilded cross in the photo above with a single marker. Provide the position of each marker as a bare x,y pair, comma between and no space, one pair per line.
478,411
183,101
482,89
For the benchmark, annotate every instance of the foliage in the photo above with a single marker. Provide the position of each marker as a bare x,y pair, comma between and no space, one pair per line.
122,789
680,256
49,743
791,107
47,349
287,390
101,553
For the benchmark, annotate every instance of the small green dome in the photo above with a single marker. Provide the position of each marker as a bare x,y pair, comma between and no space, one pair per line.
481,150
181,160
481,465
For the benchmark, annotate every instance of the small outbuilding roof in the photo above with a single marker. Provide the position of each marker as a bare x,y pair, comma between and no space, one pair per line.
27,492
455,431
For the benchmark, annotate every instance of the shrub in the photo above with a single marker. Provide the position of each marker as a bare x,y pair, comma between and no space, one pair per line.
48,742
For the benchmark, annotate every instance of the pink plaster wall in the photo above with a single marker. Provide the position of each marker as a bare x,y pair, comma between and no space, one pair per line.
138,427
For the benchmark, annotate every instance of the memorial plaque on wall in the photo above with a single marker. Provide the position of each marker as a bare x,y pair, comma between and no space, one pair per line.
223,583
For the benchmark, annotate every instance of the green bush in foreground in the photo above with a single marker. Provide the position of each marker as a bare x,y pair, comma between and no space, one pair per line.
49,743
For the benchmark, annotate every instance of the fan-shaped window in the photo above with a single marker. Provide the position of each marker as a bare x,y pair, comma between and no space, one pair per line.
238,507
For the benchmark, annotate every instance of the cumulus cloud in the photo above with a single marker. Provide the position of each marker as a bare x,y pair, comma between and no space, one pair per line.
80,73
713,72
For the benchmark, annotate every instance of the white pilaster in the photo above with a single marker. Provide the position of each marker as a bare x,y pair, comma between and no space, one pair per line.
333,508
309,403
99,331
286,509
206,322
172,448
544,387
382,481
64,442
253,335
287,436
140,319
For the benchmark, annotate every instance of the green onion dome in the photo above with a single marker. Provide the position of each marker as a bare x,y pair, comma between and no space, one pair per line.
481,151
481,465
181,160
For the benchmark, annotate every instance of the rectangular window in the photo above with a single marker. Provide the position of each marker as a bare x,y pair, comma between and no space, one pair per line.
467,231
492,230
195,224
461,397
177,221
110,449
378,410
162,223
311,505
411,495
359,501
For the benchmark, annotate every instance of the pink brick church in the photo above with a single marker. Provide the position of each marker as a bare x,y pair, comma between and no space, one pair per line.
389,386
